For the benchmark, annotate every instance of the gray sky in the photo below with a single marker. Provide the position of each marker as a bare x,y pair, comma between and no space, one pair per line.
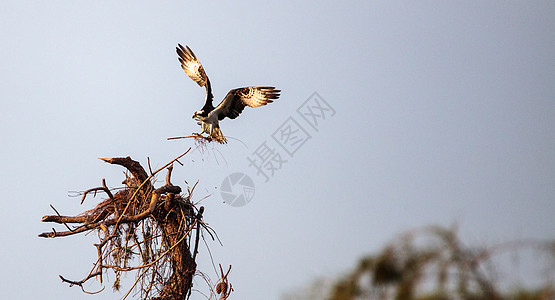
445,111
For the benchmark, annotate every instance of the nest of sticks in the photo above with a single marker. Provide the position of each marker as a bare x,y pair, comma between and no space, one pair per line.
151,231
201,140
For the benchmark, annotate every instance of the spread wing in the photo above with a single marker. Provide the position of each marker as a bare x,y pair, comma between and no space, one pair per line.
252,96
191,65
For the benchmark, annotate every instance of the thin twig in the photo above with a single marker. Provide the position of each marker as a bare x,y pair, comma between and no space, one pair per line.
135,283
60,216
103,188
199,217
149,167
79,283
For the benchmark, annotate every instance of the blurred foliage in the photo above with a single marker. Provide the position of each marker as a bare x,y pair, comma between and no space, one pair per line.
432,263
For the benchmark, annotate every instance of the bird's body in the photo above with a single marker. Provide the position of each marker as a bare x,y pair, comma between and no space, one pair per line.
233,103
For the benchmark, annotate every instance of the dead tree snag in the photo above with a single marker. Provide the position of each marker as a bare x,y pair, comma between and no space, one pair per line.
152,231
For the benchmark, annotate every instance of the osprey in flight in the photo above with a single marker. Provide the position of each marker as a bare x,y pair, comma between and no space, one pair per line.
232,105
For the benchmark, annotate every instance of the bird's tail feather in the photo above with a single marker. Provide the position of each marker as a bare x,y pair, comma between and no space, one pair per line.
218,136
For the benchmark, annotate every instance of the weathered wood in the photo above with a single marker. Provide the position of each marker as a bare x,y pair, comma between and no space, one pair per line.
172,218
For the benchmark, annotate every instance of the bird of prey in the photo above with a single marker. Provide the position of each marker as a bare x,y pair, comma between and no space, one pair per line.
232,105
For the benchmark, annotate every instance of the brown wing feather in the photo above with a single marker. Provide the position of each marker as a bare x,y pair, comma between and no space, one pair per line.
252,96
191,65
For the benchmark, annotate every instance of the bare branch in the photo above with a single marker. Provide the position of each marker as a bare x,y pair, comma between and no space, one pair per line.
133,166
79,283
169,175
199,218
